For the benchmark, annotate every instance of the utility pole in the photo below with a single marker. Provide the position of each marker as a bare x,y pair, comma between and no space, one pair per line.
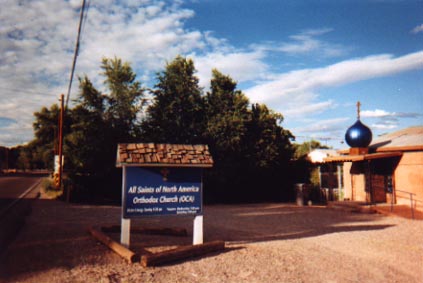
7,158
75,55
61,140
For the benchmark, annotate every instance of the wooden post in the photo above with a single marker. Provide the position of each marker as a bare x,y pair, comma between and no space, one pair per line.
181,253
125,231
320,183
116,247
340,189
7,159
197,237
61,140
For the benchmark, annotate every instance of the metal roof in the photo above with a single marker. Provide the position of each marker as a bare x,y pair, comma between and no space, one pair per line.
409,138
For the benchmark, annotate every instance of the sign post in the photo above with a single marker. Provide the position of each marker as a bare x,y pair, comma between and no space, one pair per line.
125,222
197,237
159,180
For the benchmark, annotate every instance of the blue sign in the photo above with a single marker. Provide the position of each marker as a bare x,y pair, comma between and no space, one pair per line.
162,191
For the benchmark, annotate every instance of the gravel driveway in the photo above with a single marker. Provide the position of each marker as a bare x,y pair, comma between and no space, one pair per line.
265,243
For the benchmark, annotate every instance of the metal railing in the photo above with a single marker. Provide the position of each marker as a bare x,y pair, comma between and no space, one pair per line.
412,202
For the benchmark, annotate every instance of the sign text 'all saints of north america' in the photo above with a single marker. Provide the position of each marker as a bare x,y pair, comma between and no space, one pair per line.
158,191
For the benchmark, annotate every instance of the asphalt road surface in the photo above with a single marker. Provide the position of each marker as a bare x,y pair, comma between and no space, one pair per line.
13,186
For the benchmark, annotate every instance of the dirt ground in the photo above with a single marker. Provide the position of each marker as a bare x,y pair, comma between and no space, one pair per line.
264,243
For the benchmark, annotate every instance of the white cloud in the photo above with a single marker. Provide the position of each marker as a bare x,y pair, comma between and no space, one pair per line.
37,40
306,42
324,126
147,36
327,131
301,44
296,93
299,84
384,125
378,113
374,113
297,110
241,66
34,38
15,133
417,29
387,120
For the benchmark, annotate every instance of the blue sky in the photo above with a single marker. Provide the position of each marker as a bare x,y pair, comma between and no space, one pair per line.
309,60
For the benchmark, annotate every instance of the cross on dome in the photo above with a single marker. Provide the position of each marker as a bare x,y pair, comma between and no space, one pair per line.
358,110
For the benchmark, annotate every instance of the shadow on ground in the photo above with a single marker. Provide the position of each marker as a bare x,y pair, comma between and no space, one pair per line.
55,235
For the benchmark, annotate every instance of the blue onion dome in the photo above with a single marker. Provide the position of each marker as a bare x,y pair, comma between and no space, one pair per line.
358,135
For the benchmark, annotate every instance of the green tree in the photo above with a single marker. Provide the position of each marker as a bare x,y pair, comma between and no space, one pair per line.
89,140
25,160
99,123
3,158
92,129
268,143
124,101
267,153
176,113
46,129
250,148
226,110
248,145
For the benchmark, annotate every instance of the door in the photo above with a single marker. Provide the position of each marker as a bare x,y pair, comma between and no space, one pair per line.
379,188
381,180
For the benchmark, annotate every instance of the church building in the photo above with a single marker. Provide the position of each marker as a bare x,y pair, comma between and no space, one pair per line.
387,170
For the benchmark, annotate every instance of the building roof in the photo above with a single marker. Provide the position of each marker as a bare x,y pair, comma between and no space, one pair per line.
361,157
388,145
405,140
409,139
163,155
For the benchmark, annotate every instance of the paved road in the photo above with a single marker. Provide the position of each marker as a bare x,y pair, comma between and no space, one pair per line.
12,186
12,210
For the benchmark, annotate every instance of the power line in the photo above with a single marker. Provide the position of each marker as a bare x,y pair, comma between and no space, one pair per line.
318,138
75,55
325,139
84,21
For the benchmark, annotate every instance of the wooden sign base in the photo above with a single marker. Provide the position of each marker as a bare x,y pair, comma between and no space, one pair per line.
147,258
121,250
180,253
178,232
